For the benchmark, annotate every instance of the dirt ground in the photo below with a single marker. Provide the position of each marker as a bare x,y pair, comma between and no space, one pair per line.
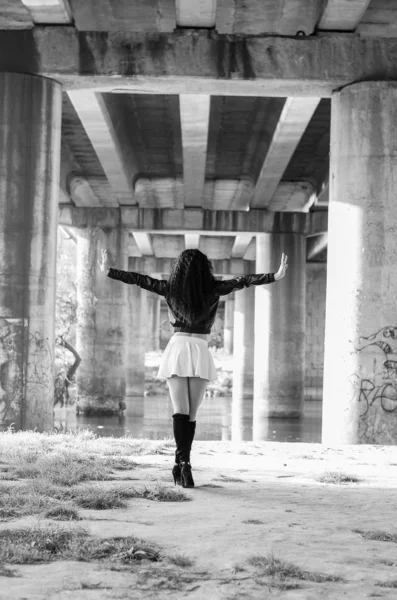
251,499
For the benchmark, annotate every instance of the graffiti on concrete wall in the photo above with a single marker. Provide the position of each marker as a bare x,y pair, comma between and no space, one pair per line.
377,386
13,334
39,370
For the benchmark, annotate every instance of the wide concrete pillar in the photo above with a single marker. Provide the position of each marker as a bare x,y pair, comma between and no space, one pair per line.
137,334
153,322
101,338
360,364
30,136
279,330
228,328
243,358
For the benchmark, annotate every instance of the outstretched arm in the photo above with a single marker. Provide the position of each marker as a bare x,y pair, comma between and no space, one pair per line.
282,268
158,286
238,283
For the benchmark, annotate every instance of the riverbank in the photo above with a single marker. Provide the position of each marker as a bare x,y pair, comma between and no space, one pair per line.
86,517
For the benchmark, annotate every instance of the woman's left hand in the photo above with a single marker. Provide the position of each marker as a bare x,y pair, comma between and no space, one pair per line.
283,267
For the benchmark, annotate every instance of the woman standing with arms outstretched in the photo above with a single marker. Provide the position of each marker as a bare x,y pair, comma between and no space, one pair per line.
192,295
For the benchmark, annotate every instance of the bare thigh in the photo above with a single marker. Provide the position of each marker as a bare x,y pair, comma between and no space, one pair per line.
187,394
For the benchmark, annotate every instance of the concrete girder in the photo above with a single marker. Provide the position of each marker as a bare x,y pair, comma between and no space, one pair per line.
267,16
198,62
194,220
342,15
232,267
124,15
74,186
240,246
167,246
144,243
49,12
195,112
15,15
94,115
292,123
159,192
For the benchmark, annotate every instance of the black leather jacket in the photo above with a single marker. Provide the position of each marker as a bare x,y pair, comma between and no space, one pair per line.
204,322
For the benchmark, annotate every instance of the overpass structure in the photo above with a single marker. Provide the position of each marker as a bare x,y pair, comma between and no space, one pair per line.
241,128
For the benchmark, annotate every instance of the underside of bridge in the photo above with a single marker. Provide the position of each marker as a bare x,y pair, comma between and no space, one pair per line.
173,124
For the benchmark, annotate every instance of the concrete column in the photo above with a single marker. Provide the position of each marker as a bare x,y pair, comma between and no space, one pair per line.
360,364
243,357
101,324
153,322
279,330
30,136
137,333
228,332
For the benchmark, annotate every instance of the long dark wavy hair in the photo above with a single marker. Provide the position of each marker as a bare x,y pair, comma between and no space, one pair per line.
191,283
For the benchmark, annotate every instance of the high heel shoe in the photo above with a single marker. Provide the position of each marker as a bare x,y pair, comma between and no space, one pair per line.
176,473
186,475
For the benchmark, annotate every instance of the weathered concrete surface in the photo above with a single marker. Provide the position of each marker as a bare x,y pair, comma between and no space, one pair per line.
198,62
14,15
360,374
276,506
243,358
279,331
101,324
30,136
153,322
231,267
194,220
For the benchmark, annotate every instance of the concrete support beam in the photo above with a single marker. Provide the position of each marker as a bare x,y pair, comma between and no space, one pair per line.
194,220
231,267
49,12
295,117
153,323
167,63
137,331
96,120
30,148
228,327
360,392
279,332
342,15
243,358
101,334
195,112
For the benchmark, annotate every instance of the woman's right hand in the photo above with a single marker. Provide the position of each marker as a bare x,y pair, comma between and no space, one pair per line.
104,261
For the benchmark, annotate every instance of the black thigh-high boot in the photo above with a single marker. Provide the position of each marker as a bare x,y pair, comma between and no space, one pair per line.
182,454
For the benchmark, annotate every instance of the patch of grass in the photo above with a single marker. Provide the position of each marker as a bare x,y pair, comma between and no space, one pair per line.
387,584
226,479
163,494
96,498
120,463
181,560
20,500
62,512
45,544
336,477
36,544
379,536
210,485
253,522
281,570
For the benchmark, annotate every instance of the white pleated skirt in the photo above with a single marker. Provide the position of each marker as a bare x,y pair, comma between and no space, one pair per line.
187,356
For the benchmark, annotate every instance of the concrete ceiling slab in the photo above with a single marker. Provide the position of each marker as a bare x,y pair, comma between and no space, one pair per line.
216,247
15,15
342,15
195,13
168,246
49,12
